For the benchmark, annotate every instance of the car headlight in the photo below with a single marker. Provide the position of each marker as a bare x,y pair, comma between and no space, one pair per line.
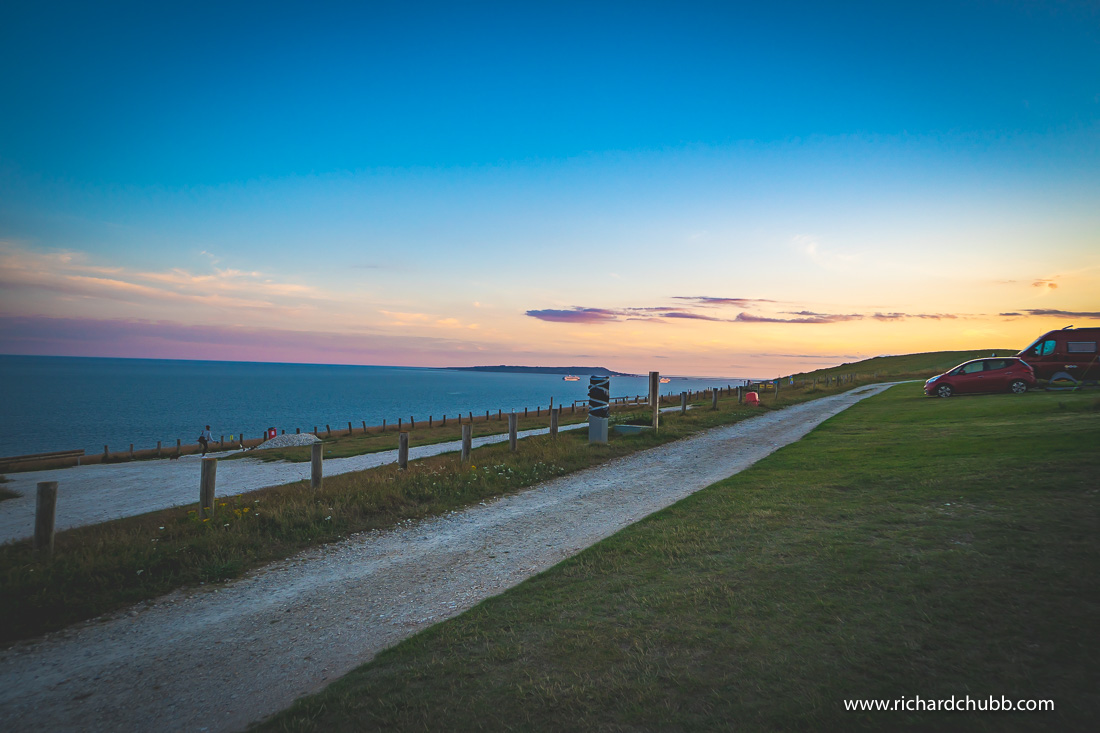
933,379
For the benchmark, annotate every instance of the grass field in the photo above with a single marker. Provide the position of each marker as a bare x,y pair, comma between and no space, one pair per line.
908,547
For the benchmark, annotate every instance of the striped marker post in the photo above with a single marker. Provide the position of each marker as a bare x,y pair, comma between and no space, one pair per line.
599,389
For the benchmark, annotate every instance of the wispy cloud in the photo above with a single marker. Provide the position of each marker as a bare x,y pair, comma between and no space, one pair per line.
658,314
71,274
692,316
1060,313
710,300
813,318
905,316
828,357
575,315
810,246
1045,284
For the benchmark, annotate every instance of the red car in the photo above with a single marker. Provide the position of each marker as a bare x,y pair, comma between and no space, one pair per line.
996,374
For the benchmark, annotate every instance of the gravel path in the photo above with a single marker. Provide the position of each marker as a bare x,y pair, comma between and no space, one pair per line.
218,659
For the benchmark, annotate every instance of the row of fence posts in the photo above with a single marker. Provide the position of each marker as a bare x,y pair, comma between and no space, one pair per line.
240,439
833,380
46,499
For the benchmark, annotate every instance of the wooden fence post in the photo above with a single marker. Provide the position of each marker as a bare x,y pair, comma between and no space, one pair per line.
207,479
45,510
683,403
467,433
403,450
178,446
554,421
316,465
364,427
412,423
349,427
329,429
513,422
655,397
714,399
158,449
399,423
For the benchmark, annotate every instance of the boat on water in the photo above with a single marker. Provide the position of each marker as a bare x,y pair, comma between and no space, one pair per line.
571,378
665,380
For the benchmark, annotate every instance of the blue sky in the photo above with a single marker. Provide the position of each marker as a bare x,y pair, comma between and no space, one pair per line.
292,168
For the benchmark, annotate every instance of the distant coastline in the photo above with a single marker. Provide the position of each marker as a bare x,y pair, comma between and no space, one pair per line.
578,370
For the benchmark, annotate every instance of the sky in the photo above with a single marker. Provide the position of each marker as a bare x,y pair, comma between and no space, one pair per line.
709,189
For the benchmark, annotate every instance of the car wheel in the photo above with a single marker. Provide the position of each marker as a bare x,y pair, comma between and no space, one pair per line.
1018,386
945,390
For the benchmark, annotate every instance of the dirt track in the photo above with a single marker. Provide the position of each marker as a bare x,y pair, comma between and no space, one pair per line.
219,658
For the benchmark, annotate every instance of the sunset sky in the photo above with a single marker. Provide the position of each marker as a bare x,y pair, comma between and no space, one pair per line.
724,189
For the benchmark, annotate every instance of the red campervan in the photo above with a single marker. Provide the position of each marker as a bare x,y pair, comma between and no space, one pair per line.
1066,354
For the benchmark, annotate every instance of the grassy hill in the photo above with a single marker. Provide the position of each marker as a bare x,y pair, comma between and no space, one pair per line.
904,366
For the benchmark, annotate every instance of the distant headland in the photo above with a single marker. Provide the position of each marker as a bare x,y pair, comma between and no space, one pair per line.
597,371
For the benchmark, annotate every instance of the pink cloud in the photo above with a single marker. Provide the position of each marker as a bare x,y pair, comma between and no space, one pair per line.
169,340
575,315
709,300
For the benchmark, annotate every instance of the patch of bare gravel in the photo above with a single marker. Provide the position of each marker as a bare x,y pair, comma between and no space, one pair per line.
219,658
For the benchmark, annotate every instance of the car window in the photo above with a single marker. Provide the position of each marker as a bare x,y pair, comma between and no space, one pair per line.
971,368
1081,347
1047,347
994,364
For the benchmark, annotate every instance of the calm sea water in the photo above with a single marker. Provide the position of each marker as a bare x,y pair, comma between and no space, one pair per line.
62,403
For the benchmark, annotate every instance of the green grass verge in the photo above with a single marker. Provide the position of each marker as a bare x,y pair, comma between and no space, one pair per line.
908,547
343,445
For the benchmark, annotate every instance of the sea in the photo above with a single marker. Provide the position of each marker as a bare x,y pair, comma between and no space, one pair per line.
53,403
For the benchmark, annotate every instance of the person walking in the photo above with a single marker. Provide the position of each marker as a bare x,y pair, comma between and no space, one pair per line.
204,440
